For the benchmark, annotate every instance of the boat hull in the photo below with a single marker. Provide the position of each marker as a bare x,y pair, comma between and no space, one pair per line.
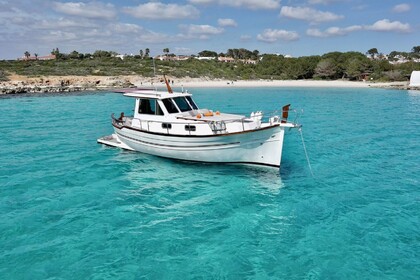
261,146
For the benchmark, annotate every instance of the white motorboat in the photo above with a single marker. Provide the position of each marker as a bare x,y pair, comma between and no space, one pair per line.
170,124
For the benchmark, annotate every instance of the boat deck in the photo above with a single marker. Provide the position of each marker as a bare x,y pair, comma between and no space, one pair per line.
213,118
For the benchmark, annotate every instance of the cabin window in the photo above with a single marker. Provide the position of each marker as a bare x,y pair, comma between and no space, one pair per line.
182,104
166,125
192,103
190,127
149,107
159,111
170,106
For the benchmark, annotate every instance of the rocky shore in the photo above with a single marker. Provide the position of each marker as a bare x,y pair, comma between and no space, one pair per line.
55,84
21,84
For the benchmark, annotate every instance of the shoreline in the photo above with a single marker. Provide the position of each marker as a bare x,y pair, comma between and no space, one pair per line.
54,84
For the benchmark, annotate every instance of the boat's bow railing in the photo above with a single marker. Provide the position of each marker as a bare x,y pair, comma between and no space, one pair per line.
283,116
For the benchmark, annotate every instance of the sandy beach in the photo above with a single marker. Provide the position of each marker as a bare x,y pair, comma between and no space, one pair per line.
22,84
282,83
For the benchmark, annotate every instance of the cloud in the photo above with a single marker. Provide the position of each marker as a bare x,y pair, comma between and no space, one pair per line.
224,22
308,14
245,38
333,31
94,10
201,31
381,25
248,4
386,25
183,50
201,1
126,28
160,11
324,2
401,8
63,23
59,36
273,35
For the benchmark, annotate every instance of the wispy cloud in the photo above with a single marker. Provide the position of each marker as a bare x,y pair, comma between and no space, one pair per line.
384,25
274,35
324,2
226,22
64,23
160,11
401,8
245,38
94,10
248,4
200,31
333,31
308,14
128,28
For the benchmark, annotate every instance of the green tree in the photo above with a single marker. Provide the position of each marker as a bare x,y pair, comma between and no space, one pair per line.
55,52
326,69
416,49
392,55
166,51
27,54
255,54
74,55
141,54
207,53
355,68
270,66
372,52
101,54
146,53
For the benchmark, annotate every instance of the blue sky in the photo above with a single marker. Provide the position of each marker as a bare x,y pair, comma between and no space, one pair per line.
289,27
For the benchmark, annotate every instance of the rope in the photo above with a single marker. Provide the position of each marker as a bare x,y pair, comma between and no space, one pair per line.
306,153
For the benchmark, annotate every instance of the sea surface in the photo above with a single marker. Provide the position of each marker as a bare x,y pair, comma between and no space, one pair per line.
73,209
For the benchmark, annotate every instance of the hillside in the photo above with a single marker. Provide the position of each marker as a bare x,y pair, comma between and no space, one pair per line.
336,65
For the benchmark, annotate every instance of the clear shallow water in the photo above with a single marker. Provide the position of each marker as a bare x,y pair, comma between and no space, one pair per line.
73,209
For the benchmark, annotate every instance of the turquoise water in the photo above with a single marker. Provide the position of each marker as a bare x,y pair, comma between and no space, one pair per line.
73,209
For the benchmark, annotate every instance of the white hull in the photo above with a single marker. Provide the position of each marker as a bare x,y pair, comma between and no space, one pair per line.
261,146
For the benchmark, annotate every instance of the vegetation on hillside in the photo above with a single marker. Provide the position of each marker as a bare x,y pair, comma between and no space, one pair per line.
333,65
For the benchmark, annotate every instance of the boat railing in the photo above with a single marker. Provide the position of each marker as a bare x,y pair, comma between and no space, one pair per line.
283,115
204,127
187,128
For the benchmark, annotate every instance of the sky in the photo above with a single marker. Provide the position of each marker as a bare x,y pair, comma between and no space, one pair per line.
288,27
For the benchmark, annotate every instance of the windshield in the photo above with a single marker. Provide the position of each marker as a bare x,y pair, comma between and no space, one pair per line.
170,106
192,103
182,104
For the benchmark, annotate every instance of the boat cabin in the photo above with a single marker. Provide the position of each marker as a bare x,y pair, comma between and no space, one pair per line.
177,113
152,104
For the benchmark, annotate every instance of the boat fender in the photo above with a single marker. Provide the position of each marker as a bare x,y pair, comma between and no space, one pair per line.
208,114
217,113
198,116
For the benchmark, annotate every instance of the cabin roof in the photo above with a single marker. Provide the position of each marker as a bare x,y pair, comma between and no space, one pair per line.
152,93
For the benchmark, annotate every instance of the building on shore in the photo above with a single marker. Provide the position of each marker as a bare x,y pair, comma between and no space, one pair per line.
46,57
